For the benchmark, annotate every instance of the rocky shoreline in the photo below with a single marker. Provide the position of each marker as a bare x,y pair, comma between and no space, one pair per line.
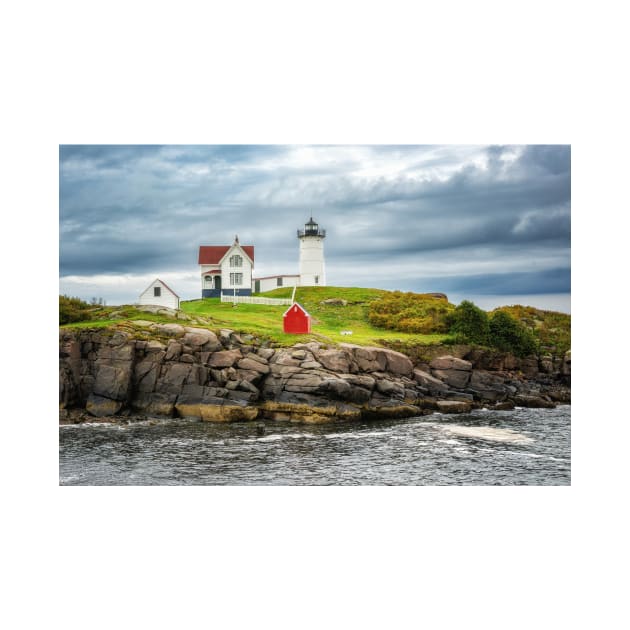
151,370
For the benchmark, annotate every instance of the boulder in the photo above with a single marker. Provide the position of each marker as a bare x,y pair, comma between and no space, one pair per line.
545,364
360,380
145,375
390,388
198,337
450,363
367,359
249,375
216,410
309,409
303,382
170,330
565,370
310,365
505,405
454,378
100,406
172,378
154,346
154,404
282,357
397,362
378,409
528,400
119,338
113,381
173,350
224,358
265,353
253,364
529,366
453,406
434,385
335,302
334,360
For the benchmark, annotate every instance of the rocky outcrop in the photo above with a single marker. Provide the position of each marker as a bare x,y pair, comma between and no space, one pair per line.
174,370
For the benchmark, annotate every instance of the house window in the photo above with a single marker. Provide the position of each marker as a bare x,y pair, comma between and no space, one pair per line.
316,279
236,261
208,279
157,291
279,282
236,279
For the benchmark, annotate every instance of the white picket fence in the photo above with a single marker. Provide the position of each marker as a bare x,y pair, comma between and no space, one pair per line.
248,299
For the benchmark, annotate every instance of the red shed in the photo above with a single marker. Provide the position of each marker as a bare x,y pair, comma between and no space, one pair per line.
296,320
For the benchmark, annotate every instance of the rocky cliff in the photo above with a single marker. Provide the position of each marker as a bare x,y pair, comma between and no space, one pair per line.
170,370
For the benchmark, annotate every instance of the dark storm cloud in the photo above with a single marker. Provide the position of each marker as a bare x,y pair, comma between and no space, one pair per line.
136,209
547,281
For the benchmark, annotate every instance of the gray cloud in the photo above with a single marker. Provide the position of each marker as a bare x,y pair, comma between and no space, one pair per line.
146,209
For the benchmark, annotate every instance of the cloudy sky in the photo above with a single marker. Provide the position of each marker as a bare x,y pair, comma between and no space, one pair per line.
486,223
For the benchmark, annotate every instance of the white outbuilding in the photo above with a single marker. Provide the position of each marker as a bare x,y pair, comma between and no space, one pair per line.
158,293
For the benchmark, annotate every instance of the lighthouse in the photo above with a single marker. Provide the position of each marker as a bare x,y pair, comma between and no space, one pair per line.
312,269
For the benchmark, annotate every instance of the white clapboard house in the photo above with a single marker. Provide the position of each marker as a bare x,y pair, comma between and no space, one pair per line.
158,293
226,269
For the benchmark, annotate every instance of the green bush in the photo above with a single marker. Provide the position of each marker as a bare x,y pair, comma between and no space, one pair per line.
507,334
469,324
552,330
410,313
72,309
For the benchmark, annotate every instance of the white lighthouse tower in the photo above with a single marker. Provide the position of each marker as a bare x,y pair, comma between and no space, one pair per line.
312,269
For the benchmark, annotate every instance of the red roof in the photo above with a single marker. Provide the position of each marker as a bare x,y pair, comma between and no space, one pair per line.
211,272
212,254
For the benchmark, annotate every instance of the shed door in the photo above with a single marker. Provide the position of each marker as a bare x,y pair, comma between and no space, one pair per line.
257,286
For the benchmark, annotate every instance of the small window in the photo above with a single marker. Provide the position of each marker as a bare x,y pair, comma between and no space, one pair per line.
236,261
208,279
316,279
157,291
279,282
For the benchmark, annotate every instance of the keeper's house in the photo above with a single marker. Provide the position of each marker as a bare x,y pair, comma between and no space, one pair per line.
226,269
159,294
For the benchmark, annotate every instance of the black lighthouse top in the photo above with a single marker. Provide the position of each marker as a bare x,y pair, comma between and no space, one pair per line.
311,229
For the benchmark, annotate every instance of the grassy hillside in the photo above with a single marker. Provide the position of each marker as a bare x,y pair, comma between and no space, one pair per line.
328,320
371,315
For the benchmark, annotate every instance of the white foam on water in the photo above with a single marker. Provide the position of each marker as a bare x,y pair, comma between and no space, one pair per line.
270,438
355,436
490,434
88,424
281,436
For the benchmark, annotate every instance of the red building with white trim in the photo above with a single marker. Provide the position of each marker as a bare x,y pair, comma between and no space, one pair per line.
296,320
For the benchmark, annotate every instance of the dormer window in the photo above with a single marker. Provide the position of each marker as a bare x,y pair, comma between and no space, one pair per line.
236,261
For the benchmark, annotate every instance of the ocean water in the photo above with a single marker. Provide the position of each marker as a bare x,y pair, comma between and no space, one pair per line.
518,447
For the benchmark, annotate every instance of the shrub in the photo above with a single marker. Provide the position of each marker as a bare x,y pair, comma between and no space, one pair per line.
507,334
469,324
72,309
410,312
552,330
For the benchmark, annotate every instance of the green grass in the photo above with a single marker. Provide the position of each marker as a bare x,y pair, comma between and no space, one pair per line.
327,321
